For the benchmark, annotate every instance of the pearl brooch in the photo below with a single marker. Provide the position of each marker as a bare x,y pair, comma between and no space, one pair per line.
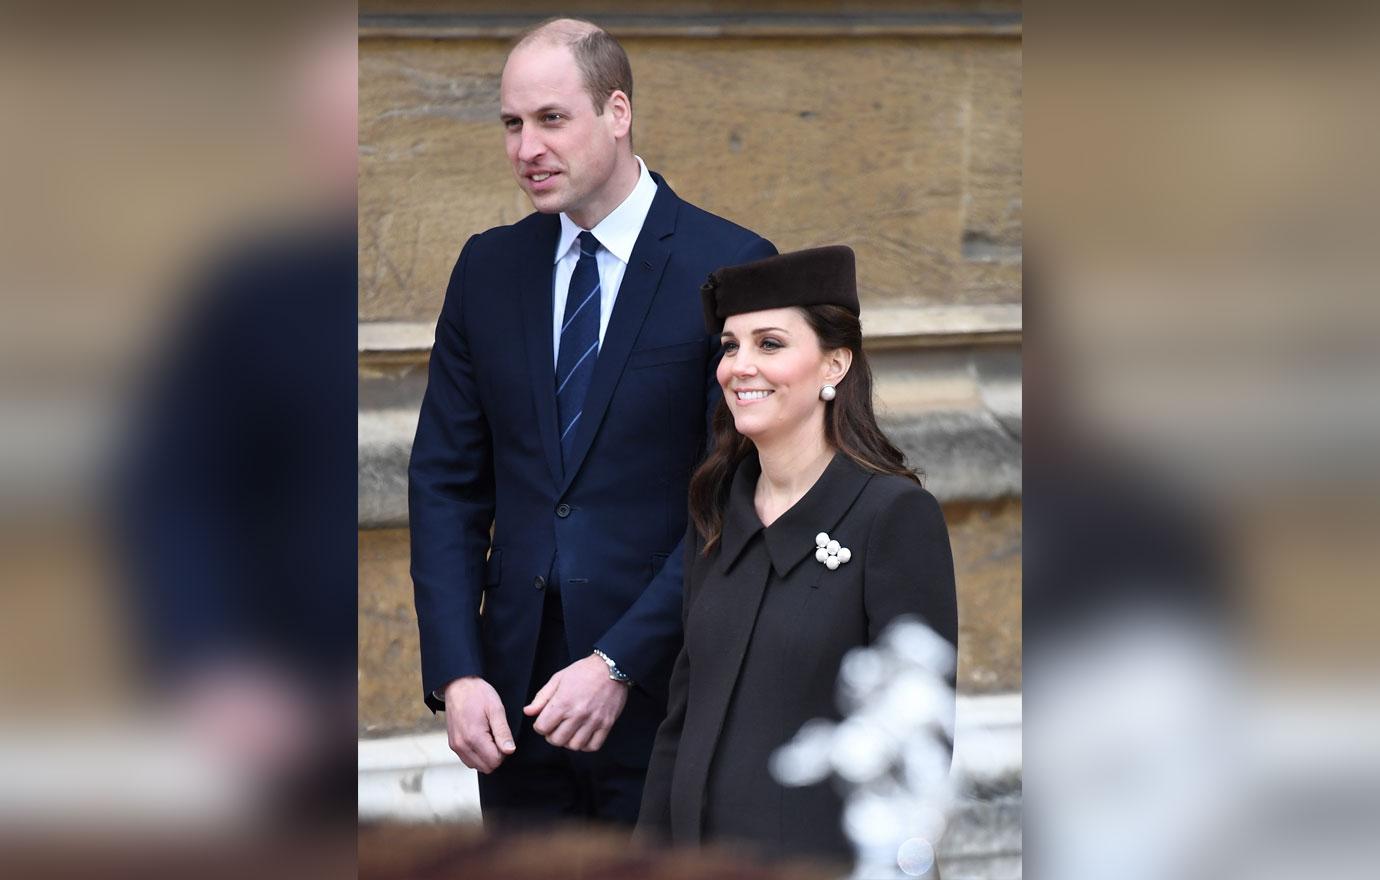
830,552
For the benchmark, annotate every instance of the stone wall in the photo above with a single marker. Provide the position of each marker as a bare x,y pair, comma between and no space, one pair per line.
881,129
892,127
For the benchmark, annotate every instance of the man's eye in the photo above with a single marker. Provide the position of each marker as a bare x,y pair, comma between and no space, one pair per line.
553,117
512,123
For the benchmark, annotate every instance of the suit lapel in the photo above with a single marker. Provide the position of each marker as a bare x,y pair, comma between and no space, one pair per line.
534,287
635,295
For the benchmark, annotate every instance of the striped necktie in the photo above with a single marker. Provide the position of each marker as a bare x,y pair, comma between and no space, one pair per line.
579,346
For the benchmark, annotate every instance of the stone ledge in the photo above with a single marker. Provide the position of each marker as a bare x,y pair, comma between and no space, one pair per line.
966,455
384,344
415,778
385,445
940,326
442,26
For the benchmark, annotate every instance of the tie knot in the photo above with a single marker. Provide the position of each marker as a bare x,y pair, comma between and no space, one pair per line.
589,245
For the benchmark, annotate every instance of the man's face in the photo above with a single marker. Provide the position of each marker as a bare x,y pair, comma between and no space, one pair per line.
563,152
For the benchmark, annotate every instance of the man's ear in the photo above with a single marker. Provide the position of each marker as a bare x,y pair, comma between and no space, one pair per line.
620,110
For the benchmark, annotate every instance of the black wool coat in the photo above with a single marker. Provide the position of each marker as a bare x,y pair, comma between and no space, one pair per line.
766,626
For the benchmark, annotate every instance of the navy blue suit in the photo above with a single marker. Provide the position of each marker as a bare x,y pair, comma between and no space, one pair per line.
606,528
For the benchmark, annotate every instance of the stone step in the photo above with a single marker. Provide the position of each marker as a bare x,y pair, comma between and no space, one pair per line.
416,778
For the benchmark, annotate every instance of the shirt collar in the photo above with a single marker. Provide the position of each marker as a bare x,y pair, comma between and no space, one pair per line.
792,536
619,230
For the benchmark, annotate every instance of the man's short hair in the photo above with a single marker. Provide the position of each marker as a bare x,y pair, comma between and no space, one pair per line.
603,64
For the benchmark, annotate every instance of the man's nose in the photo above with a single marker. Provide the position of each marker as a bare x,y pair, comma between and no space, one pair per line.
530,146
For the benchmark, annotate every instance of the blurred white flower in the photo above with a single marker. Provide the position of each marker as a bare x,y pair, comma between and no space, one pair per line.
891,751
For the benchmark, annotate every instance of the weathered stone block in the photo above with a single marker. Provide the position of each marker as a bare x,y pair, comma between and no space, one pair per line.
906,148
390,678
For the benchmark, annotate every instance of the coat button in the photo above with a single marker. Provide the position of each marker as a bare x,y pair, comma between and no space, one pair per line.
563,511
539,582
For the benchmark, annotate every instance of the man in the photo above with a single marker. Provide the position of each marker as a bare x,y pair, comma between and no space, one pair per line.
569,392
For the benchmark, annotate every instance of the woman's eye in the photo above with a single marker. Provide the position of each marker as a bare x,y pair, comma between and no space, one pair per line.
730,347
770,344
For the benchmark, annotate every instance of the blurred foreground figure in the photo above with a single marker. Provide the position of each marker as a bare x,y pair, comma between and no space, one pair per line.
237,509
241,515
568,852
1128,668
202,519
1129,684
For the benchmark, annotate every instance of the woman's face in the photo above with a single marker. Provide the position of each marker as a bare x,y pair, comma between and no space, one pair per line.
772,370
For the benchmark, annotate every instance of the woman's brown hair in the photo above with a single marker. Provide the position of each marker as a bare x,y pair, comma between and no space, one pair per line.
850,426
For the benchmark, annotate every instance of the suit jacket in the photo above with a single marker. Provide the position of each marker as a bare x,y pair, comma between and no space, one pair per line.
487,454
766,627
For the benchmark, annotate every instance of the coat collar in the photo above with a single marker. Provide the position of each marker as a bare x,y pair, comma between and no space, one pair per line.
791,537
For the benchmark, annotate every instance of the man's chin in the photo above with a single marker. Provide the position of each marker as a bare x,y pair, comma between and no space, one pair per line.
546,203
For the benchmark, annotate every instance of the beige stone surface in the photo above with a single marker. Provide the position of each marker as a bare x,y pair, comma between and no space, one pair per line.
992,221
903,147
390,678
986,541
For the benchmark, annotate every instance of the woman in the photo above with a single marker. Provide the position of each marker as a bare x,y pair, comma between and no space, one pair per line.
768,613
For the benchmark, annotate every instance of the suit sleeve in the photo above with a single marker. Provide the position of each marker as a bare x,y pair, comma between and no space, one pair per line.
450,502
646,638
910,567
654,819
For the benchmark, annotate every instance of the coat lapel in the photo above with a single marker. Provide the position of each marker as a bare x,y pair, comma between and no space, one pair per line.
738,580
534,287
635,295
737,617
791,539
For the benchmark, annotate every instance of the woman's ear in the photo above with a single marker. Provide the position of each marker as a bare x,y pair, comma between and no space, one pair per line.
836,364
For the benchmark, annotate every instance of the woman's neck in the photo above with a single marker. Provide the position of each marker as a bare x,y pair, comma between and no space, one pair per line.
788,472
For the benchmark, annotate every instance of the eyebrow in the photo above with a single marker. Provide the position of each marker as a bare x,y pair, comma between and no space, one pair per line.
758,332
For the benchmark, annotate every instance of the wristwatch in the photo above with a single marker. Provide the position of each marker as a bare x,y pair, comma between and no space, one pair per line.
615,673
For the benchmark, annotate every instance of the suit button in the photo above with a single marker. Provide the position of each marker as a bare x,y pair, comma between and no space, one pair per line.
563,511
539,582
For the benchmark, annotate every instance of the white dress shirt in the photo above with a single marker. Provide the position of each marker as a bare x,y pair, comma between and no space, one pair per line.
617,233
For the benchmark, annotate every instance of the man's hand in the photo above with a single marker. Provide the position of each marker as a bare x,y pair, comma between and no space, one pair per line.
474,721
578,706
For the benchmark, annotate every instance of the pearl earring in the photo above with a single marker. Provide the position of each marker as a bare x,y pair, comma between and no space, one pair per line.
826,393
